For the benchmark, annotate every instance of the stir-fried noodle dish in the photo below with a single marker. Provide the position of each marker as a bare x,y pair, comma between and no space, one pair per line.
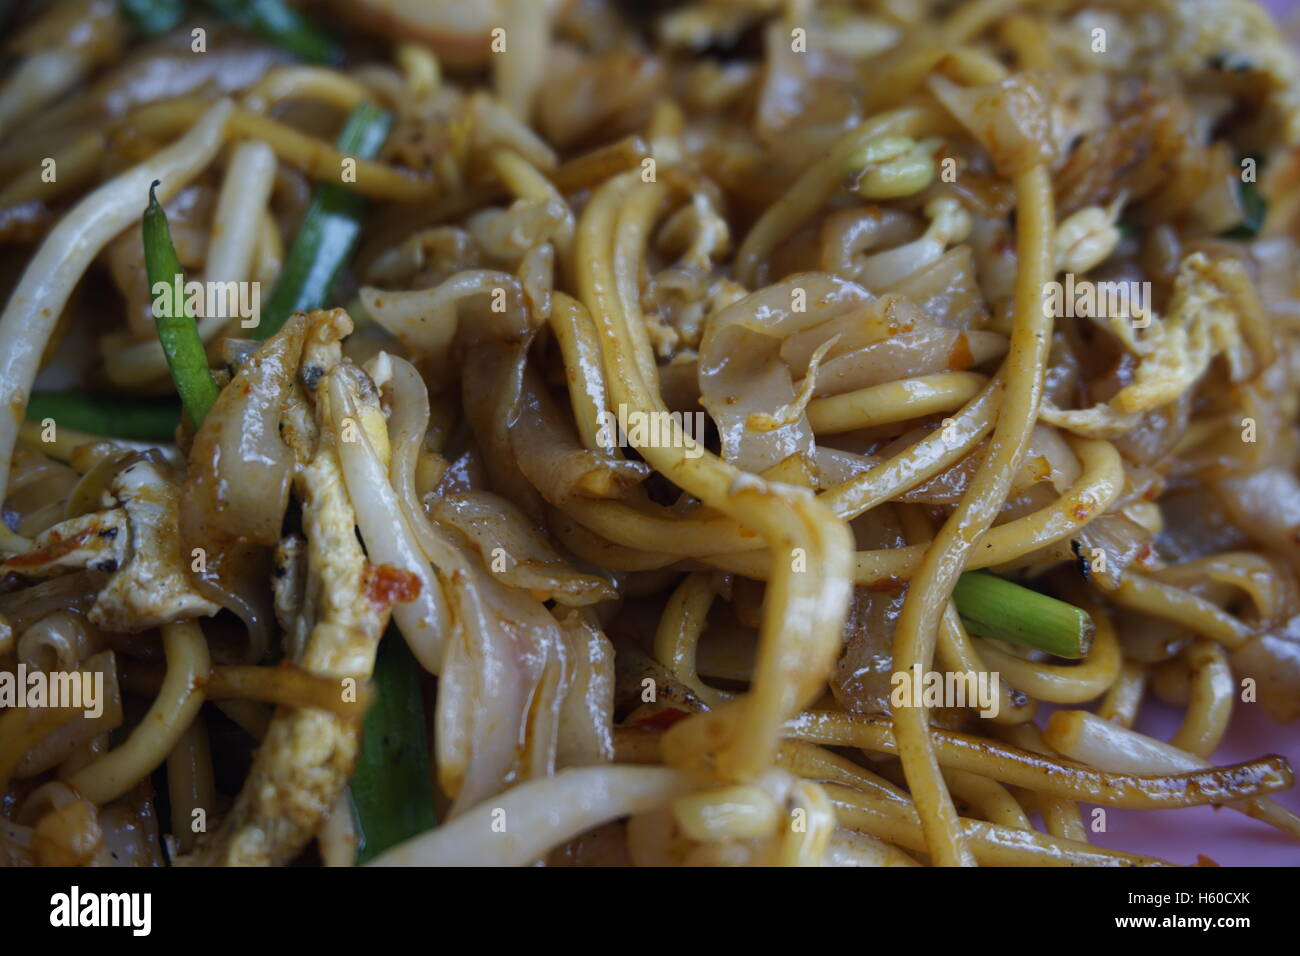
580,432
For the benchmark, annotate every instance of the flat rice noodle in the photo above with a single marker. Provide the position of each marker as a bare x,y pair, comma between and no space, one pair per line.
848,233
877,320
862,679
947,290
548,452
427,321
237,484
1273,659
491,387
741,372
57,746
585,731
908,355
517,551
1265,505
495,723
1118,538
1196,525
1012,119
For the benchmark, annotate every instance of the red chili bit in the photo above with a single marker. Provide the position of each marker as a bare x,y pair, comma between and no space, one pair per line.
960,358
661,720
55,549
389,585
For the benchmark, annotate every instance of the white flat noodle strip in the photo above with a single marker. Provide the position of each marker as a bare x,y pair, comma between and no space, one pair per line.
389,539
69,249
521,825
244,194
36,81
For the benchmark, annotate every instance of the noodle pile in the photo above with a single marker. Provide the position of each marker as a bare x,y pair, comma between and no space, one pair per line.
687,361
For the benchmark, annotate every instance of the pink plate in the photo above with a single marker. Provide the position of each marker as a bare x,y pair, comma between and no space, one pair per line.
1225,836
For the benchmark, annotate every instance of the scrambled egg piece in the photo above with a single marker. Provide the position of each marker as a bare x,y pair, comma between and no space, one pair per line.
1190,39
138,543
1172,353
1237,36
152,586
97,540
307,756
289,591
